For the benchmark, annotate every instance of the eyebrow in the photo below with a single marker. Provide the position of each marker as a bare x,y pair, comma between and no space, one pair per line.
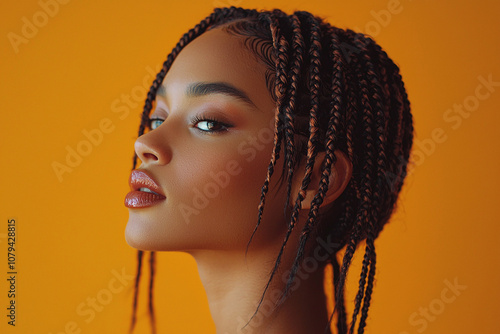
207,88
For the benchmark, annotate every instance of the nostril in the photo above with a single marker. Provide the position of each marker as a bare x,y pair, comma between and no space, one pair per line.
151,149
150,156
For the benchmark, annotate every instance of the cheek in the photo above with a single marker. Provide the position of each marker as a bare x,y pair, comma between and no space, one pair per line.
224,181
234,167
224,190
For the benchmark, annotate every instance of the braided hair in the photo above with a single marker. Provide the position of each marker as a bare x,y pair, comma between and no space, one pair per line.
334,89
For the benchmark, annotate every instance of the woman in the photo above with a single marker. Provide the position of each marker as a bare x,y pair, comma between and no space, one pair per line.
268,143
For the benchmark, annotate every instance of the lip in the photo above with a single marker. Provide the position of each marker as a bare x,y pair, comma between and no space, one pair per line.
141,199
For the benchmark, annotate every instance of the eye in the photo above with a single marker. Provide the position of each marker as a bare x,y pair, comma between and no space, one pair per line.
154,123
210,124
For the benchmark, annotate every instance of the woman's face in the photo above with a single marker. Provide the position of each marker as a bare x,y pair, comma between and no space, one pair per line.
208,152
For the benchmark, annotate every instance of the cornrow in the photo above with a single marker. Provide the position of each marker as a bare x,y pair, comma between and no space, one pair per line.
337,104
280,82
361,186
152,262
341,88
339,303
281,48
152,256
136,288
298,46
315,65
375,122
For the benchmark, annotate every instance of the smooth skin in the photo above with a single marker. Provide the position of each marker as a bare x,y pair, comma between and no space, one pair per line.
195,137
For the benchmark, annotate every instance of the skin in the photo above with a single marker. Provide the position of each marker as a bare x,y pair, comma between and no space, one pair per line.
182,158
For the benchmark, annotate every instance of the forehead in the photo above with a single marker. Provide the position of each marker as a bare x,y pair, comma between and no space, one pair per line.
217,56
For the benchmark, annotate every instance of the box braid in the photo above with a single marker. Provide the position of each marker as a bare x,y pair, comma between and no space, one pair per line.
334,89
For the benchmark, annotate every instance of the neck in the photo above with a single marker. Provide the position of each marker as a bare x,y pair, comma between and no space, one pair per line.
234,286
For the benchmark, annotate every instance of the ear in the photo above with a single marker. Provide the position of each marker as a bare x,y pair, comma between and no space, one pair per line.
340,175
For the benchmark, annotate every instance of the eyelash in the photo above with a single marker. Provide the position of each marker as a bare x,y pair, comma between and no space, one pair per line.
195,120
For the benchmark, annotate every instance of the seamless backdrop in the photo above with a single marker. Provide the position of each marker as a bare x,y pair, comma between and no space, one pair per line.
73,78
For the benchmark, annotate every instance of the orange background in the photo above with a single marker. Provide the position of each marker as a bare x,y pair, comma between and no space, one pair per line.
70,244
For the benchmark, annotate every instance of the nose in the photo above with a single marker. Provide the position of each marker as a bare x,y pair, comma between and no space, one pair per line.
152,149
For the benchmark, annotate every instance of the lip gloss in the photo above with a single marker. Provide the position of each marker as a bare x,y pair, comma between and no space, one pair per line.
142,199
150,194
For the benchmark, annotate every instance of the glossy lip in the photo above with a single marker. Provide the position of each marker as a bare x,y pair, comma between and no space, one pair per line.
141,199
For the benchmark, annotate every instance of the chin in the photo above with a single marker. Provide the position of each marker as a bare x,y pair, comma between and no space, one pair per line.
144,233
140,235
137,238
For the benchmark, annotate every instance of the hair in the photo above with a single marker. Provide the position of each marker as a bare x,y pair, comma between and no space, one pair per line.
335,89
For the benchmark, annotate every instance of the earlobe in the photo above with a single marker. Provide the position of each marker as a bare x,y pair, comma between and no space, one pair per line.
340,175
